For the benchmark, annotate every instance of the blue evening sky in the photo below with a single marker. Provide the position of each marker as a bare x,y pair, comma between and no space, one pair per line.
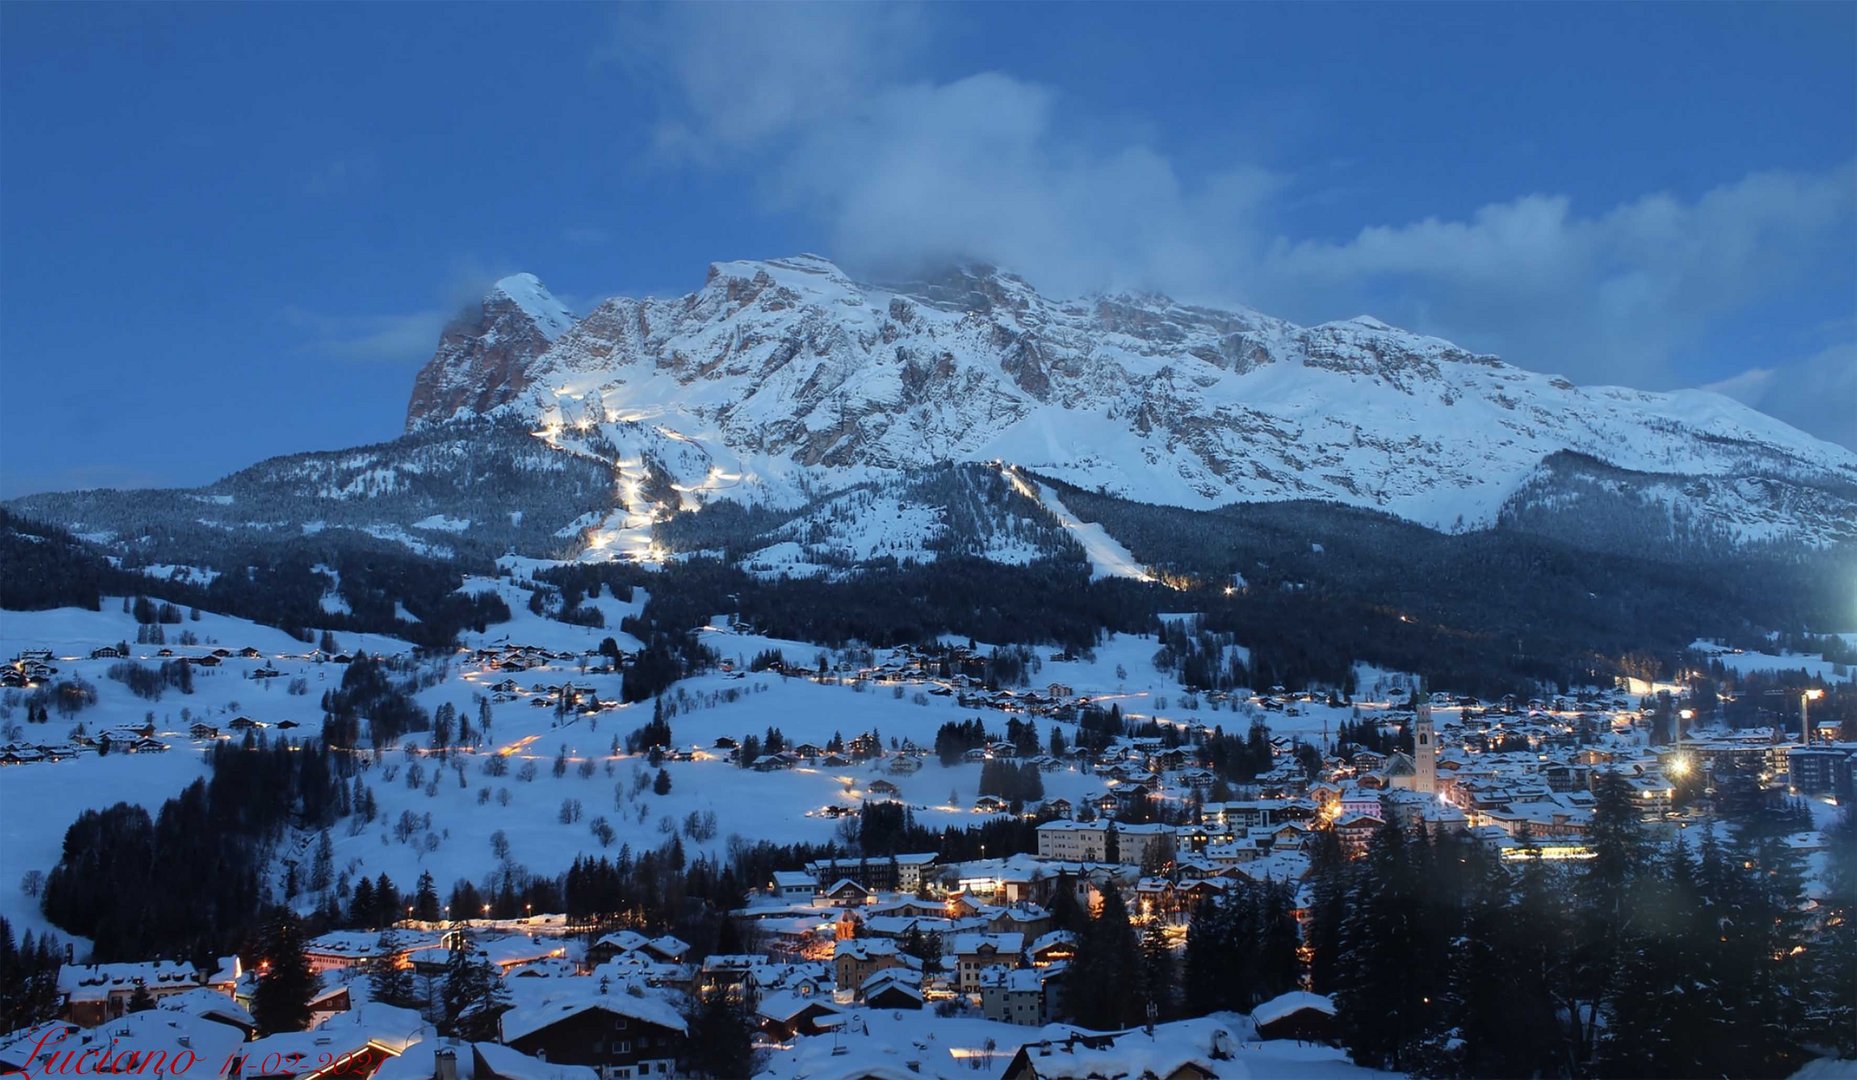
233,231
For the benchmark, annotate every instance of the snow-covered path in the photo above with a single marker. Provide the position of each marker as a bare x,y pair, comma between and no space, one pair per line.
1107,557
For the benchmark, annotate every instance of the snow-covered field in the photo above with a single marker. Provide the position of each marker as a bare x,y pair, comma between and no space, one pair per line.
1741,663
468,803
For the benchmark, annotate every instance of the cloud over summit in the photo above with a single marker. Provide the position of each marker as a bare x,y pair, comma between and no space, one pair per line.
835,114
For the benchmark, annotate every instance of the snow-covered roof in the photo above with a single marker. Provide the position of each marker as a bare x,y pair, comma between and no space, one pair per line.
570,1000
208,1003
783,1007
516,1065
1295,1001
90,981
1003,943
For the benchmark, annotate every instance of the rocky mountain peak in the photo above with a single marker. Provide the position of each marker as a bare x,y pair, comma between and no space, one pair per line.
485,352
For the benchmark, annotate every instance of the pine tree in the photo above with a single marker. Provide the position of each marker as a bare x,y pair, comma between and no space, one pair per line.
1107,964
1065,912
474,994
425,899
361,908
285,982
1831,1002
719,1041
1208,970
1602,891
1328,880
322,870
388,980
1379,1003
1159,988
661,785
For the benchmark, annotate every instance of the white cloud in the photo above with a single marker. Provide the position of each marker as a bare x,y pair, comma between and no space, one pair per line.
1817,394
394,339
828,109
1607,298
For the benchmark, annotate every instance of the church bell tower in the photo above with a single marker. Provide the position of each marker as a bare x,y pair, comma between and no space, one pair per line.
1425,752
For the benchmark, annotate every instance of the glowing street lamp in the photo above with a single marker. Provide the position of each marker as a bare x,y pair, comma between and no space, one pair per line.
1679,766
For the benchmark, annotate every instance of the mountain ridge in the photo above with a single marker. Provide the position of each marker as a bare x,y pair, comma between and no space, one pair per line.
781,376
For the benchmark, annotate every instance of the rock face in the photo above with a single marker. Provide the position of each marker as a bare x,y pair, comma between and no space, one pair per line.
484,355
785,377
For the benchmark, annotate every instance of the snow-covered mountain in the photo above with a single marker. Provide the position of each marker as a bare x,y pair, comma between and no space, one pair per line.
781,381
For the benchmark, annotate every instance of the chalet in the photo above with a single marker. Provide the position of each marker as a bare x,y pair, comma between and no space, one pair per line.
893,988
989,804
250,653
491,1061
619,1034
109,652
724,971
329,1001
1028,920
1078,1056
857,959
245,723
1298,1014
1167,760
785,1015
794,885
1020,996
1052,948
618,943
666,949
883,789
208,661
209,1004
1354,832
974,953
201,730
847,893
94,993
340,950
